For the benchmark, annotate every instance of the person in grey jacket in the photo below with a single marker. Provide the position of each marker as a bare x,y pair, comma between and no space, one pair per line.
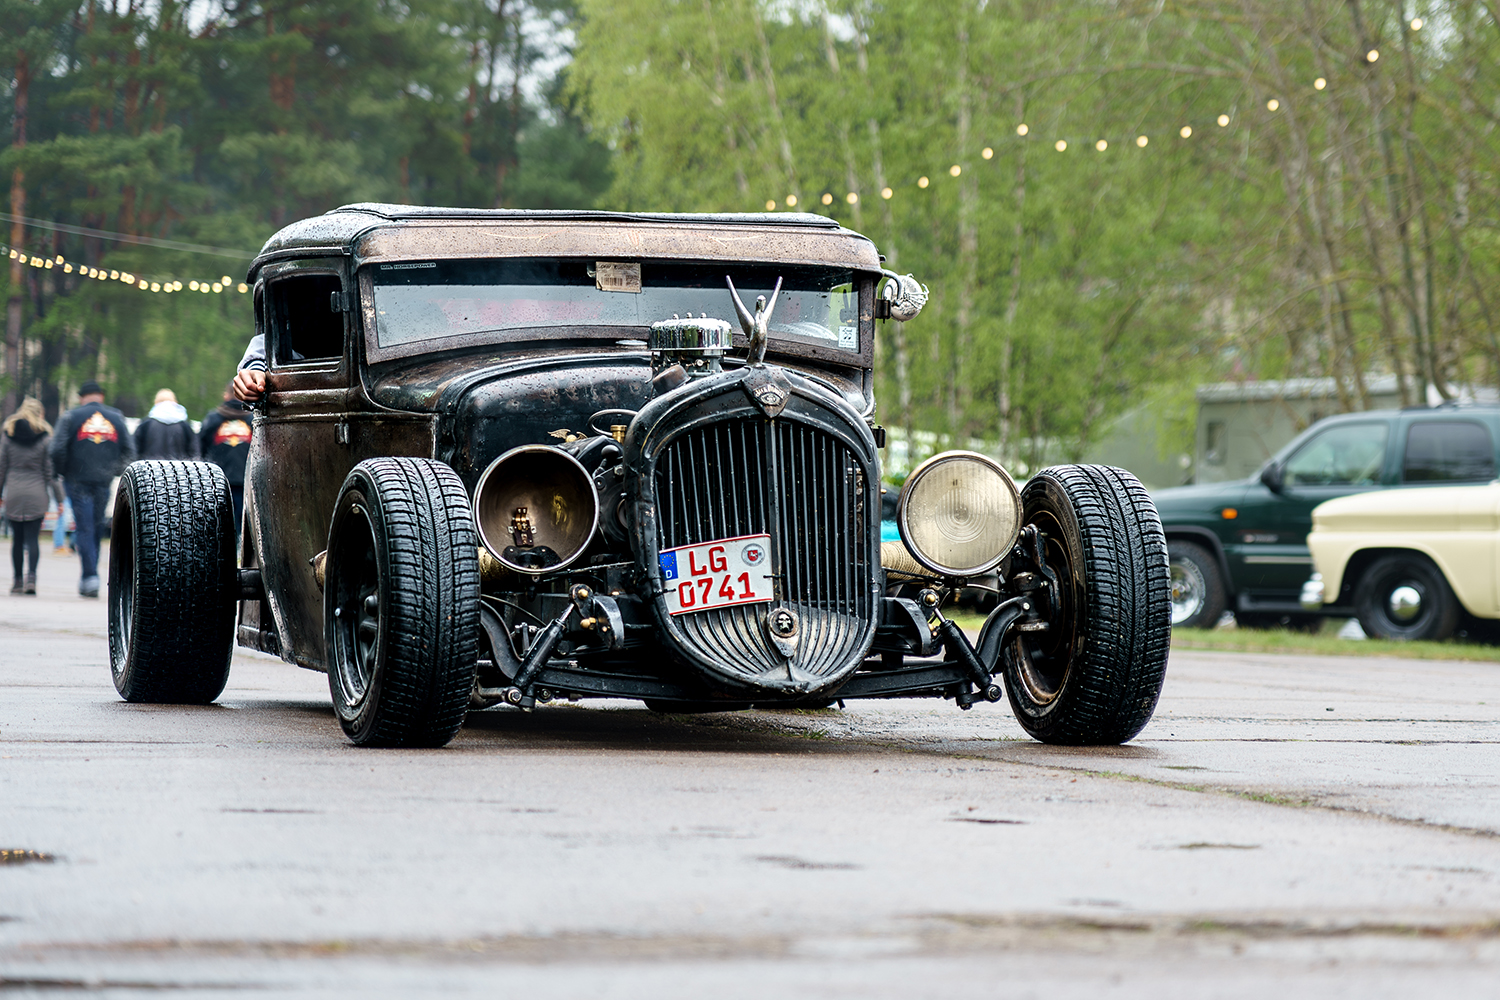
91,447
27,481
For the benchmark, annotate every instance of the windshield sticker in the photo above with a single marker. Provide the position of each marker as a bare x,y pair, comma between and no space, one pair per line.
614,277
849,338
407,267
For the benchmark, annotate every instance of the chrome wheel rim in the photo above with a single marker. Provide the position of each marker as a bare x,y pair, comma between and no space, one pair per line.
1189,590
1404,604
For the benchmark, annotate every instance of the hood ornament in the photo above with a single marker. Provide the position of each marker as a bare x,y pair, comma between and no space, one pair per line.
755,326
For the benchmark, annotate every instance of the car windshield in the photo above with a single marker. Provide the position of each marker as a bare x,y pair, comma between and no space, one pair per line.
420,301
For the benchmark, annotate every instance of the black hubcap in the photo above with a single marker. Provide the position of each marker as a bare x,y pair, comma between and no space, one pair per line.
355,582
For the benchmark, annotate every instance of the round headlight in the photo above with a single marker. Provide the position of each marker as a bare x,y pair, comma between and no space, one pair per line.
959,513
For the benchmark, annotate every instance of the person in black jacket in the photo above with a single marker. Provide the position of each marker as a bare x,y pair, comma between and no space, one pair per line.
89,448
224,440
165,431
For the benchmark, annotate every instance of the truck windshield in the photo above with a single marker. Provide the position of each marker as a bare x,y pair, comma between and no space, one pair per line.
419,301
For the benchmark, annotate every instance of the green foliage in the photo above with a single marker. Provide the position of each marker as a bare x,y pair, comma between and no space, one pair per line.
217,129
1329,236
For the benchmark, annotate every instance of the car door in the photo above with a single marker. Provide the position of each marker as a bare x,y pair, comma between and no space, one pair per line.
297,461
1268,551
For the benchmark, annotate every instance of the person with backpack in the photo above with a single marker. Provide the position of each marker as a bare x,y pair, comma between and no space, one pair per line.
89,448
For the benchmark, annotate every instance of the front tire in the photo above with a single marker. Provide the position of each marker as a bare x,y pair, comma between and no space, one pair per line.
1094,676
172,583
1404,596
1198,597
401,603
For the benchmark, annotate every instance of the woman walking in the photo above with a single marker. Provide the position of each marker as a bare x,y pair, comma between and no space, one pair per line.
26,479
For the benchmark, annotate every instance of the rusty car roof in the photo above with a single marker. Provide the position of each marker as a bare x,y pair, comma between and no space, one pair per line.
370,231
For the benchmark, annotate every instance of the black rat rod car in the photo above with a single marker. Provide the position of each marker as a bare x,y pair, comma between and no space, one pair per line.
508,457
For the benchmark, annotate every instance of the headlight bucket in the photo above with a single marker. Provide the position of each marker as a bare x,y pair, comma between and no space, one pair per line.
959,513
552,492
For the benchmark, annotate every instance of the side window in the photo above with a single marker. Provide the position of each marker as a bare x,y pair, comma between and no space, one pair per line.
1449,451
304,326
1349,455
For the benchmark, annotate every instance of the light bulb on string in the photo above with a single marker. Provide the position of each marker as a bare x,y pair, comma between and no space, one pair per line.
1060,145
1272,104
827,198
1319,83
1101,145
1372,55
1141,141
1416,24
1186,131
791,201
242,288
922,182
886,193
987,152
1223,121
852,198
1021,129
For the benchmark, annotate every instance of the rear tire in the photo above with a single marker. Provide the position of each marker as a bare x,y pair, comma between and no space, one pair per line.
1094,677
1382,599
401,603
1198,598
172,584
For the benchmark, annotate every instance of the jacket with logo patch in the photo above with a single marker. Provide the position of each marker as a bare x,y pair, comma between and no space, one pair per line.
91,444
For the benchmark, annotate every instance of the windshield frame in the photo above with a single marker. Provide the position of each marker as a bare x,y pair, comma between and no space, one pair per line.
561,334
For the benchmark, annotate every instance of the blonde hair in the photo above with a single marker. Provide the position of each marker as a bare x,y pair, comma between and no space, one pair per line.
165,396
30,411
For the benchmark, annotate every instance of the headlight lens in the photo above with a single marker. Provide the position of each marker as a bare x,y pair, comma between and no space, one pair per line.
959,513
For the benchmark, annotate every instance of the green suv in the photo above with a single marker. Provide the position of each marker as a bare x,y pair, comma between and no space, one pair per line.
1242,545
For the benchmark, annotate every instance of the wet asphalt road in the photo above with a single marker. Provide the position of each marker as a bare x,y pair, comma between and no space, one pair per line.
1319,827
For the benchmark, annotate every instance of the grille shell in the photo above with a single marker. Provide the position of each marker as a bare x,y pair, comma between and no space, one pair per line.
719,466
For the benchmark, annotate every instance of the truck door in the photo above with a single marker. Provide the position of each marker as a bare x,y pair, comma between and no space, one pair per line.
297,462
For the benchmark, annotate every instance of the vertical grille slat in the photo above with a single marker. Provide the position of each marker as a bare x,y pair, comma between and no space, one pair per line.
721,480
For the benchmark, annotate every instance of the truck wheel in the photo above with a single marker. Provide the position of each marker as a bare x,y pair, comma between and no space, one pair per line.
1198,599
401,603
1093,677
172,583
1404,596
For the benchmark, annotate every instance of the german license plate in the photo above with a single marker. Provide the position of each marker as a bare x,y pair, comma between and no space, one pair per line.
717,574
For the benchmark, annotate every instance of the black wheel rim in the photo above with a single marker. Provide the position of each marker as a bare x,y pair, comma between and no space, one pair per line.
354,582
122,590
1042,659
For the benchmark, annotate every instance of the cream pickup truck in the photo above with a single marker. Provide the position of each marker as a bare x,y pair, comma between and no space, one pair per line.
1407,562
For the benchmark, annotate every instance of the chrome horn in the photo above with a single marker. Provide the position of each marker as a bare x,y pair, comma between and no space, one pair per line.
755,326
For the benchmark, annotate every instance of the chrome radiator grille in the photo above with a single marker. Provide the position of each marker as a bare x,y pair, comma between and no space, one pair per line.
805,488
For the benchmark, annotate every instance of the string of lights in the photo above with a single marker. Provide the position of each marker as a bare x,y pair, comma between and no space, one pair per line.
1025,133
57,262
